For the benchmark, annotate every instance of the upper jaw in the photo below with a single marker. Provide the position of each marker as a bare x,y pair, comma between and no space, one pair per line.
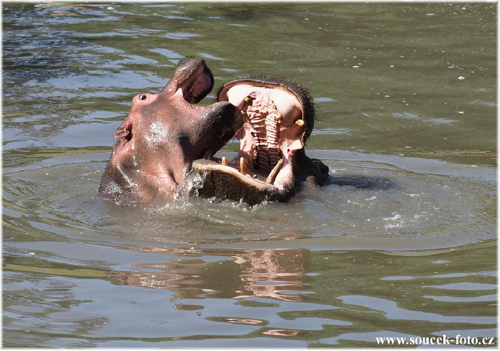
273,131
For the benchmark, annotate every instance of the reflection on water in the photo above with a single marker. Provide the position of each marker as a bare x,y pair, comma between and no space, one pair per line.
251,273
327,297
402,243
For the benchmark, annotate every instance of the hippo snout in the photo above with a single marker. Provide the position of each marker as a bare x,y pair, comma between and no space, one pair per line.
229,120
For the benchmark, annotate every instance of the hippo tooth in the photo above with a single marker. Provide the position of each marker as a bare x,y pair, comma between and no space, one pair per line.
248,99
243,166
243,112
299,122
274,172
278,117
225,162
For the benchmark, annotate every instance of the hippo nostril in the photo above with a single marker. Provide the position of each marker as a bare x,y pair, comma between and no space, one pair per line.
142,97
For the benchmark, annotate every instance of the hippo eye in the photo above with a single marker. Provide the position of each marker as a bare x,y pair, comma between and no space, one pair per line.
142,97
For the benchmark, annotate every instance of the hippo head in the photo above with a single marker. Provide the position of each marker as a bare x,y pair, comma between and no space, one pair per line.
271,163
163,134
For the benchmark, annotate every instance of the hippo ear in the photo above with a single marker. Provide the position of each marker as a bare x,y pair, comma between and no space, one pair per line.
124,130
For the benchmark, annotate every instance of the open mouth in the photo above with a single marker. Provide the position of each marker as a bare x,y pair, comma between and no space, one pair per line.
276,114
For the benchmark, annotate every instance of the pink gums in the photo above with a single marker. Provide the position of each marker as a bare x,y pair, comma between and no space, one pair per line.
269,132
262,114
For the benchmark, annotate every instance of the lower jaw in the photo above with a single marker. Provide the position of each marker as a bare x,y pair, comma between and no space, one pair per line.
227,182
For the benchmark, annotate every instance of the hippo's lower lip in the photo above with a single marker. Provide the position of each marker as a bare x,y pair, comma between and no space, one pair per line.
257,178
227,182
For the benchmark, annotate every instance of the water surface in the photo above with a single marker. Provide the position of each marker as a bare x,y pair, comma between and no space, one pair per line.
402,243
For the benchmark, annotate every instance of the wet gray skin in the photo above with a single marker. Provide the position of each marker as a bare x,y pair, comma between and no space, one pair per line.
163,134
271,163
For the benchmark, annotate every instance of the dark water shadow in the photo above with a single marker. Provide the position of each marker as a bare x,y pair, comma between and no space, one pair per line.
363,182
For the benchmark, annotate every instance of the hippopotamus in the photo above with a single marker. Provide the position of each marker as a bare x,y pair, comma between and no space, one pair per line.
271,163
163,134
167,137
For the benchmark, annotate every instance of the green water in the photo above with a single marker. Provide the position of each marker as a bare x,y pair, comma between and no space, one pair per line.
406,109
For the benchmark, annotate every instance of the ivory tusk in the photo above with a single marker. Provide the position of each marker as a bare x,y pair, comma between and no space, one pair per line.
243,166
274,172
